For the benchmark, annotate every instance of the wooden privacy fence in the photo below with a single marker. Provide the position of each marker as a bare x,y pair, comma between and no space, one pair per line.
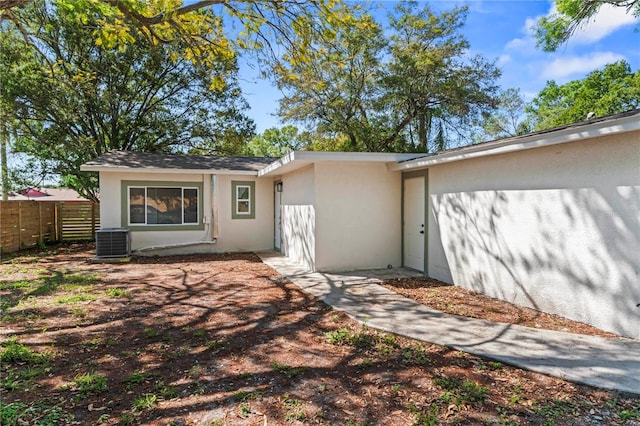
26,224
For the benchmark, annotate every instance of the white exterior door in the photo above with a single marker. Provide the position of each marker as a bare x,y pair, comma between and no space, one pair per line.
414,230
277,217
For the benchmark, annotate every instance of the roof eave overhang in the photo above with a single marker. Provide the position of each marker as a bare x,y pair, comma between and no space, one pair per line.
572,134
123,169
298,159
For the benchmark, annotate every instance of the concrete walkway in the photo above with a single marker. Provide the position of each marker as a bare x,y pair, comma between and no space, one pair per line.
605,363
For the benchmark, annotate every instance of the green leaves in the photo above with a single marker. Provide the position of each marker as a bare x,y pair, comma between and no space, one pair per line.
77,99
409,87
553,31
611,90
275,142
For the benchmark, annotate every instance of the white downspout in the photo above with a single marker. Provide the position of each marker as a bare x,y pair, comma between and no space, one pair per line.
214,207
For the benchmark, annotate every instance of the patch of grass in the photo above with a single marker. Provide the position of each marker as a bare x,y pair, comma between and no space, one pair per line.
341,336
136,378
294,409
196,372
166,392
27,302
417,355
5,305
96,341
248,395
79,279
127,418
39,413
13,352
425,417
59,280
365,363
196,388
517,395
76,298
48,284
22,379
88,383
555,409
13,285
389,340
633,414
26,314
118,293
624,413
199,333
146,402
79,312
460,391
245,410
288,370
150,333
11,413
344,336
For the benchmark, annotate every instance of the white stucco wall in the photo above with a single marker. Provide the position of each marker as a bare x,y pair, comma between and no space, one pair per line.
554,228
358,209
298,217
233,234
245,234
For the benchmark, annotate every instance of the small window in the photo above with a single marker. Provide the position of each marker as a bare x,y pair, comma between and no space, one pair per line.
243,202
163,206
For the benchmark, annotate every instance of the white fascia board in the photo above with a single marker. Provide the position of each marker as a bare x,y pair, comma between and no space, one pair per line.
623,125
145,170
281,162
297,159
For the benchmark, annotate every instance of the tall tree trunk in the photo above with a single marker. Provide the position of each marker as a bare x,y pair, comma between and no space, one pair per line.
4,141
422,131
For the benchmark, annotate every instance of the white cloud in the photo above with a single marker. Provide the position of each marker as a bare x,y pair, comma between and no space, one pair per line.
608,20
527,42
503,59
567,66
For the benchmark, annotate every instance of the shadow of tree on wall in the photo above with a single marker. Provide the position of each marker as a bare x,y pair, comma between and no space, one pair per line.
568,251
298,233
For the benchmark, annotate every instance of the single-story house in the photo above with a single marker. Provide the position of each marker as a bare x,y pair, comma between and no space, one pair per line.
549,220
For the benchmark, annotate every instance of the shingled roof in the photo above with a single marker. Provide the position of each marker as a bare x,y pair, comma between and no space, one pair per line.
117,160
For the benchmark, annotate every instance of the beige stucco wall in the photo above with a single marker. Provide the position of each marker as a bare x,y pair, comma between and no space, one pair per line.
358,208
233,234
554,228
298,217
342,215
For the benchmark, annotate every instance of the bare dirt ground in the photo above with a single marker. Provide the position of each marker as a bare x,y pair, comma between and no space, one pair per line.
459,301
225,340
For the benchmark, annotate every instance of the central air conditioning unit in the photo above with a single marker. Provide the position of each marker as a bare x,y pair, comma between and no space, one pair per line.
113,242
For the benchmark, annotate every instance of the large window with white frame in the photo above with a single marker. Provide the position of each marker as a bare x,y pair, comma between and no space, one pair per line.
163,205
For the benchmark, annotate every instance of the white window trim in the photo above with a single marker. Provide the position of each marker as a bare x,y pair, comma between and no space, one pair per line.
238,200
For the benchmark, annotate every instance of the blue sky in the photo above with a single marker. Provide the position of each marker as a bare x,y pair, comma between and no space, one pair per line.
500,30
